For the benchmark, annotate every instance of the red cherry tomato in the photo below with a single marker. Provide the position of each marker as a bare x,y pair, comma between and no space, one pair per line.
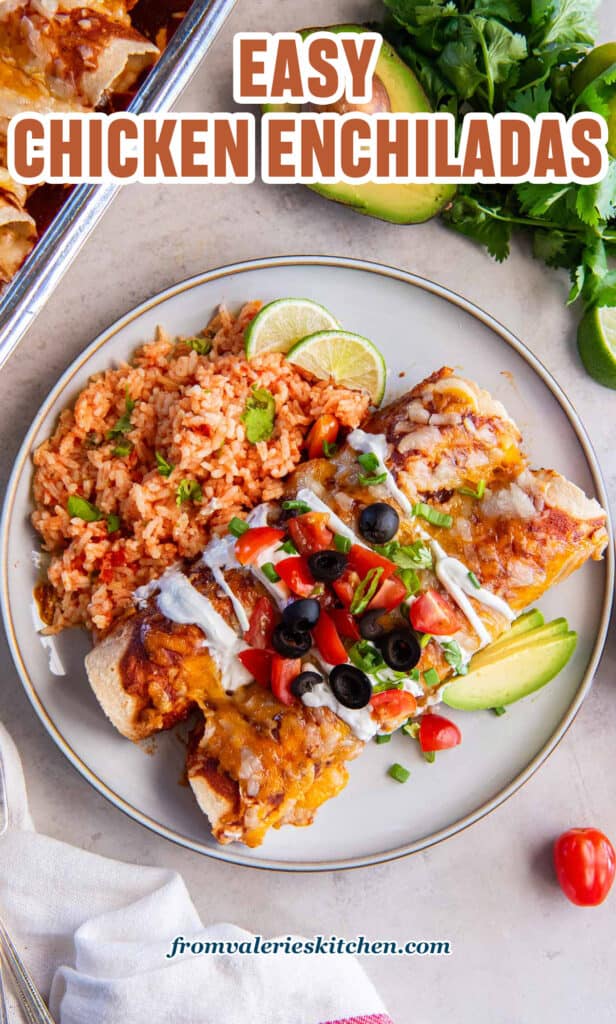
261,624
362,560
296,574
328,641
325,428
432,613
258,663
345,623
310,533
438,733
392,707
284,671
345,586
249,546
585,864
390,594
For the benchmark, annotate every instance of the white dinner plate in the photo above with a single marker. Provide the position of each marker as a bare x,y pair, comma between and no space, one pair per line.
419,326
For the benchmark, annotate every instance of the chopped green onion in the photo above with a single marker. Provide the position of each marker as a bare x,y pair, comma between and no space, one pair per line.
122,449
164,468
474,580
288,547
188,490
368,461
296,506
329,449
79,508
414,675
410,579
430,756
424,640
113,523
269,571
411,729
432,515
400,774
478,494
454,657
372,481
342,544
499,711
431,677
237,526
366,656
384,738
366,590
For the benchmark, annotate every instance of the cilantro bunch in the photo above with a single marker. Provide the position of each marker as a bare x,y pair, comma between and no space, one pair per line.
518,55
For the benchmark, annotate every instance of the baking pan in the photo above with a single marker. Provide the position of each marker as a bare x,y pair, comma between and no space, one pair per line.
60,243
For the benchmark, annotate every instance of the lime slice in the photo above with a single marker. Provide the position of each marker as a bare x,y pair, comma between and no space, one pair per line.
345,358
282,323
597,344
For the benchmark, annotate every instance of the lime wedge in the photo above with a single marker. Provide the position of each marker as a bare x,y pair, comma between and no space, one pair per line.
347,359
597,344
282,323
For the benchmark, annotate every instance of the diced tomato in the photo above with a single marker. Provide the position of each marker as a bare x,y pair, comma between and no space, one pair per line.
249,546
284,671
296,574
362,560
310,532
438,733
261,624
258,663
432,613
345,586
325,428
389,595
392,707
328,641
345,623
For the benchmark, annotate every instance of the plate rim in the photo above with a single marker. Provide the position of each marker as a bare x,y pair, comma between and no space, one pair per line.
229,854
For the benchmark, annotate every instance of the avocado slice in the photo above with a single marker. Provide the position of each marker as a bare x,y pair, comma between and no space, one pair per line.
531,619
519,672
399,204
496,651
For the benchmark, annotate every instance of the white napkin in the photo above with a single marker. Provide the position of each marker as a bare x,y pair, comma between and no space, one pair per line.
94,934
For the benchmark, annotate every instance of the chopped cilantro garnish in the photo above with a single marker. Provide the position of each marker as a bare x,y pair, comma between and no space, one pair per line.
410,579
408,556
122,449
366,590
199,344
366,656
79,508
113,523
454,657
164,468
123,425
259,415
188,490
499,711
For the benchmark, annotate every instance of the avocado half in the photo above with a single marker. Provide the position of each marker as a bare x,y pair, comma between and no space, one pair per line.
399,204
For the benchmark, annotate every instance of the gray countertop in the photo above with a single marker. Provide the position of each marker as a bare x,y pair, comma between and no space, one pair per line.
521,952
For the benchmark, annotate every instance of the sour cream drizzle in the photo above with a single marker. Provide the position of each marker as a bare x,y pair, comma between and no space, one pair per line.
219,555
181,602
451,572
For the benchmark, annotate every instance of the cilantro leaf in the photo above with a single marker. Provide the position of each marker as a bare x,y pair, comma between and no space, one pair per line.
454,657
80,508
188,490
482,224
533,101
565,22
598,201
164,468
123,425
259,415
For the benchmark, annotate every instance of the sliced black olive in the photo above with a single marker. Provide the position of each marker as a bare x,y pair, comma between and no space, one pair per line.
302,614
350,686
327,566
304,682
370,625
378,522
400,649
291,643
